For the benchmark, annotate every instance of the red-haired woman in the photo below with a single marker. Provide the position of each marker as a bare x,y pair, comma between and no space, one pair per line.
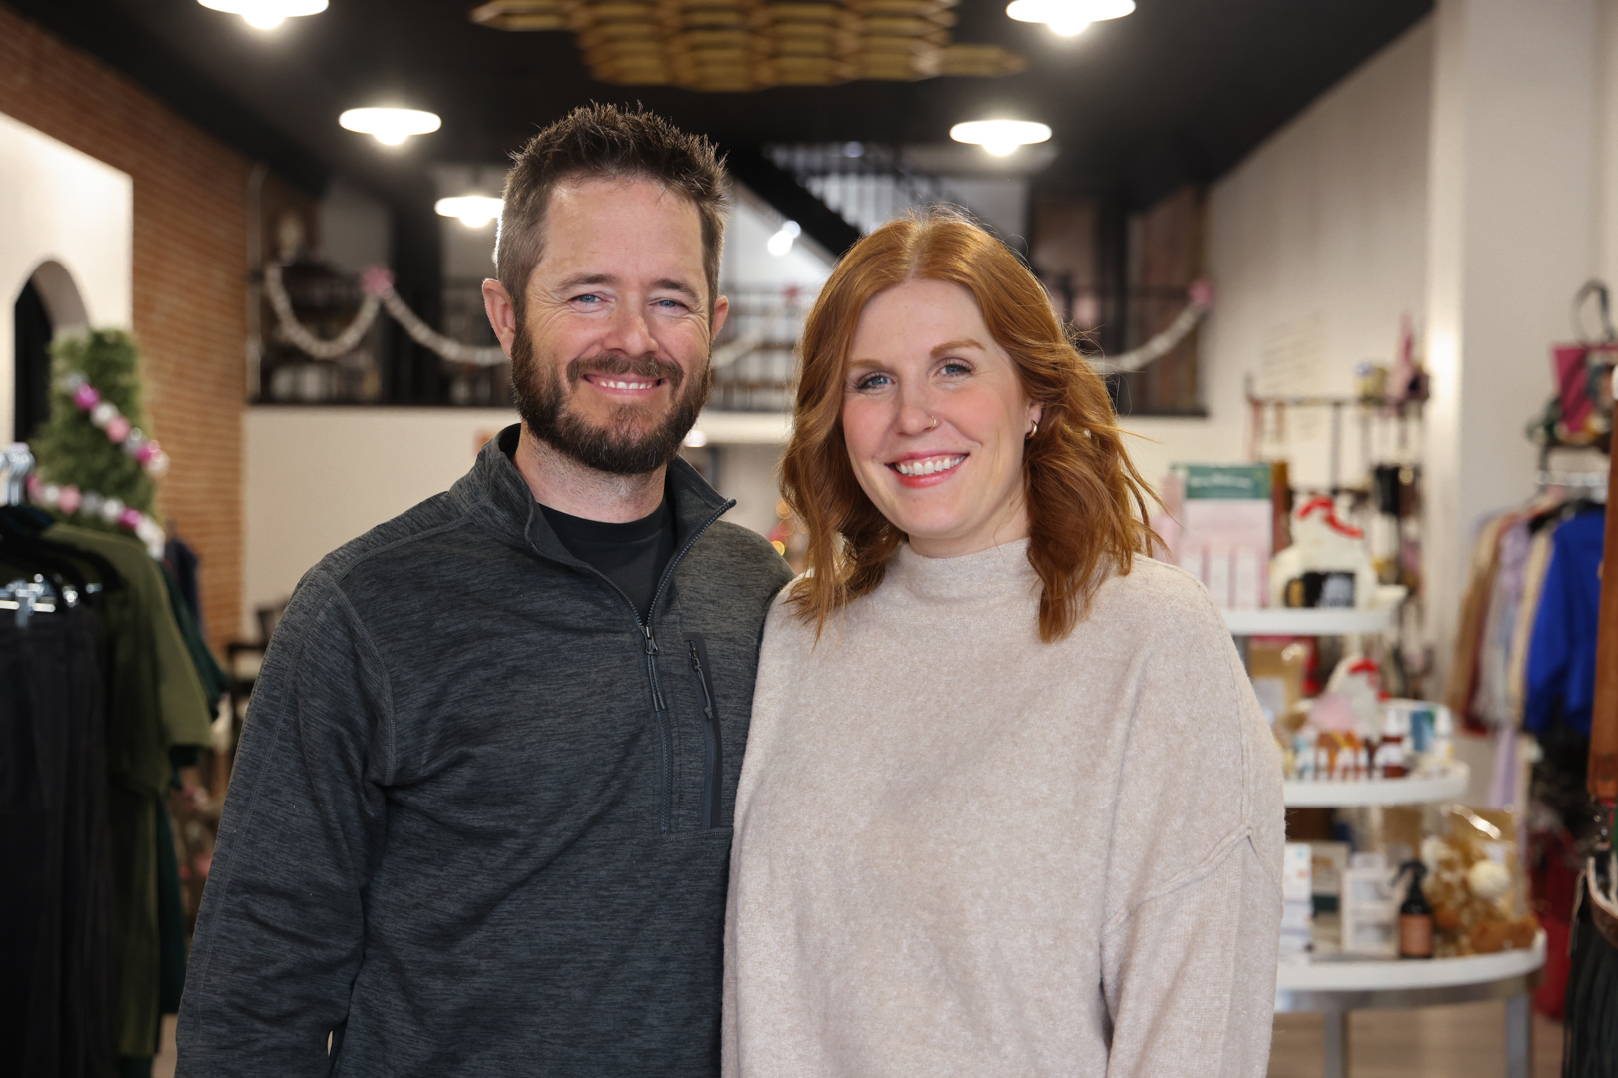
1008,806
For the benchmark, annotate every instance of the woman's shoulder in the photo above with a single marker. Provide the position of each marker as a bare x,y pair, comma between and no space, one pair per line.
1154,596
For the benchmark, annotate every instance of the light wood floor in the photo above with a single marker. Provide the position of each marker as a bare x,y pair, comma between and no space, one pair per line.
1463,1041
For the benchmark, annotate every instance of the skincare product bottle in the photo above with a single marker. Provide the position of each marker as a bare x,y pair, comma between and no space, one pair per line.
1391,758
1415,916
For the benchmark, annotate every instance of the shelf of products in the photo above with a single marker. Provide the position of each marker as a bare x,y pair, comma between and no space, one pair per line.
1417,790
1284,621
1349,973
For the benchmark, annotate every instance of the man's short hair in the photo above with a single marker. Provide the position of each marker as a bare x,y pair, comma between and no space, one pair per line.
605,142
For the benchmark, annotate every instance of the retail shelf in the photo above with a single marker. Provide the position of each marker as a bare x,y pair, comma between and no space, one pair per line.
1343,973
1418,790
1285,621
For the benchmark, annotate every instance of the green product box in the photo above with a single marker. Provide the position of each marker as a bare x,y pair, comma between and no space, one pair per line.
1231,482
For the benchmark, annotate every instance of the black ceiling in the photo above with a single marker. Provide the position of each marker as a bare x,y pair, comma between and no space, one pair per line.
1178,91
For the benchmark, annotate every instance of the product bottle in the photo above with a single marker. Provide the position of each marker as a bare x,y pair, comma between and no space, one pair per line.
1415,916
1391,753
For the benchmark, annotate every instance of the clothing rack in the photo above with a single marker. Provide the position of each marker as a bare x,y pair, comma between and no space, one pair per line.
23,596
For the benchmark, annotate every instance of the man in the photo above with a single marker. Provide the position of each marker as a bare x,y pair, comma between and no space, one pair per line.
480,818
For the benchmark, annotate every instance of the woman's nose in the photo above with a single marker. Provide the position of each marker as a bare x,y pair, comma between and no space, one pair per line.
916,414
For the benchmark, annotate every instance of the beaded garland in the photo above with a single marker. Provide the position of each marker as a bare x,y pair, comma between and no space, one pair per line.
112,422
69,500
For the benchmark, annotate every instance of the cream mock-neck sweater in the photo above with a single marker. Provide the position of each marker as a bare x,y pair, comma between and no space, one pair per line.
961,851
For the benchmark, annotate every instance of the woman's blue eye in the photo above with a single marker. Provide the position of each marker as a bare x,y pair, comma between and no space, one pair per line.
871,381
956,367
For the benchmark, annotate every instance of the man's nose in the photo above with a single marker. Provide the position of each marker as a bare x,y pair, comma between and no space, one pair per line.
629,333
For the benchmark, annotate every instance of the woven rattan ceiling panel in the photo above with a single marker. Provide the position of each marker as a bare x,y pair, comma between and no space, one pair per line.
739,45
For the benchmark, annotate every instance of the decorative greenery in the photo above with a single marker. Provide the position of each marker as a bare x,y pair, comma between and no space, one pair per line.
70,449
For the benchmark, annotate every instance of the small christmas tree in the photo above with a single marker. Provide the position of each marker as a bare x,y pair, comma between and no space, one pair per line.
96,461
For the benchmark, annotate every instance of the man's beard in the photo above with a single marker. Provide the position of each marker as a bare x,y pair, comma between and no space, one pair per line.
615,447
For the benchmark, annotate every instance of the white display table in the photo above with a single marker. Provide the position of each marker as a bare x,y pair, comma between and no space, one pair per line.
1283,621
1418,790
1336,984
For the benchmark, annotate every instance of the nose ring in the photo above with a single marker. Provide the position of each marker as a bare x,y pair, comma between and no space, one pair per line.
935,422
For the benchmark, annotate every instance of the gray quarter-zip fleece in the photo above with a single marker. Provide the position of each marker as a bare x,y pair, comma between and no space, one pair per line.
480,817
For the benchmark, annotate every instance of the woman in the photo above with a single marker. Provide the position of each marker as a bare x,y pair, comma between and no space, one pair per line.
1008,805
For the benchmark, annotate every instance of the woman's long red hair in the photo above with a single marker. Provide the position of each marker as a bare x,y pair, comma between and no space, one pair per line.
1087,505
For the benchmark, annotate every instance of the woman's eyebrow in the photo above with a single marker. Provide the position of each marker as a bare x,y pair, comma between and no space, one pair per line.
950,346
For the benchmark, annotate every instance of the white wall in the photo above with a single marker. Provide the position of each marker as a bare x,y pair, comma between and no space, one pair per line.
60,205
1316,247
1513,232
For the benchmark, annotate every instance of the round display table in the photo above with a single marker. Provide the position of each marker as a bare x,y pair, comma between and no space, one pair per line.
1338,984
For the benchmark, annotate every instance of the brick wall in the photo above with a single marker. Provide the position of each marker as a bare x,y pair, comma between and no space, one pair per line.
190,254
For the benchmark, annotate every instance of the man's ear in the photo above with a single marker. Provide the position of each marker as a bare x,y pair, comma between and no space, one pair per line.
721,308
502,313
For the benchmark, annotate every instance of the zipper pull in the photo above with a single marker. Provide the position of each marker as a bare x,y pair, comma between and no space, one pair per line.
651,643
696,663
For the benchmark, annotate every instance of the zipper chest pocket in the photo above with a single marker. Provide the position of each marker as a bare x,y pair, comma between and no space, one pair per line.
713,761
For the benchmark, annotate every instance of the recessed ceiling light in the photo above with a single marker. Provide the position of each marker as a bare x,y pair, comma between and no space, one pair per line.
475,211
390,126
266,14
1000,137
1068,17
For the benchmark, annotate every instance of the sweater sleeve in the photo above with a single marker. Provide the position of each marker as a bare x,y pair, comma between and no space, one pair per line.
280,935
1193,883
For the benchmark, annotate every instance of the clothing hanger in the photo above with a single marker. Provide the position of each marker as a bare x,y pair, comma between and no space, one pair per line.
21,541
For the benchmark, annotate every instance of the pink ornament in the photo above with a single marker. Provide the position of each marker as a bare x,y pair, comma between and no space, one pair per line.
36,489
377,281
118,429
146,452
69,500
129,518
86,397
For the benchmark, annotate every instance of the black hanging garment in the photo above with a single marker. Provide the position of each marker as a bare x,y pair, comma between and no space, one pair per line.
55,944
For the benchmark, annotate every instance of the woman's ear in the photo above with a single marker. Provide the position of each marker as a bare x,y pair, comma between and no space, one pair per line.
1035,411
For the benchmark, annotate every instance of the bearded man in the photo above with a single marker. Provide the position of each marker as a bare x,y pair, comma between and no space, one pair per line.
480,817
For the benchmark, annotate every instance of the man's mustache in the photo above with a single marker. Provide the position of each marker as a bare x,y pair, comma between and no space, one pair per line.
619,366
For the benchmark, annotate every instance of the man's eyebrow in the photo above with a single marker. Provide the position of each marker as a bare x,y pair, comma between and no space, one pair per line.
674,285
950,346
579,280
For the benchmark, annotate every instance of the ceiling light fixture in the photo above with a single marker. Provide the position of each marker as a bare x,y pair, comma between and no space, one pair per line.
390,126
780,243
1068,17
266,14
475,211
1000,137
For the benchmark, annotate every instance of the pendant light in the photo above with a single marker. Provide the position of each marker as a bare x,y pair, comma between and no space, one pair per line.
1068,17
390,126
474,211
266,14
1000,137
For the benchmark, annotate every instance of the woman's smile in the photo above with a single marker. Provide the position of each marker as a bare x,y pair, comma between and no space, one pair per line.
927,470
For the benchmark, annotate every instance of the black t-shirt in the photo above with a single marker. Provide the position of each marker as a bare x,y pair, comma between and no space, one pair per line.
632,556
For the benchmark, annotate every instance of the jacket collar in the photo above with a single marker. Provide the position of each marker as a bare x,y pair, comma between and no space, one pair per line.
496,495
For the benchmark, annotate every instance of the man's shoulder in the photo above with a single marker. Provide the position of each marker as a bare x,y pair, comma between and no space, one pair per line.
393,540
743,556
